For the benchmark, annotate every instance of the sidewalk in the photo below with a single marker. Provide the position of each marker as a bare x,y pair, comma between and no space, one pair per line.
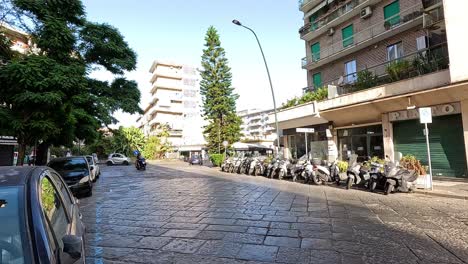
450,189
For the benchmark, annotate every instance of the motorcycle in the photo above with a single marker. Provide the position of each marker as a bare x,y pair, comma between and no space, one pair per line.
260,167
271,169
140,164
245,166
253,164
302,169
402,181
325,172
377,177
226,164
353,172
283,169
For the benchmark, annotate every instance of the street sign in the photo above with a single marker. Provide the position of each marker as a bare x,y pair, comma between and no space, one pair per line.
425,115
305,130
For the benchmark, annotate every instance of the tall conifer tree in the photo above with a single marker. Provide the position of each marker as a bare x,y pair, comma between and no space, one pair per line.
219,99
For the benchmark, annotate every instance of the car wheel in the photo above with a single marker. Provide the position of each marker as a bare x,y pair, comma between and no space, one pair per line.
109,163
125,163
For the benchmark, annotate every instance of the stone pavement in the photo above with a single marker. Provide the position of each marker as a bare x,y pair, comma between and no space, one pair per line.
175,213
450,188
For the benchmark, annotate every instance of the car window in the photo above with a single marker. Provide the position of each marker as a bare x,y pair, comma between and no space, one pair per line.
63,188
90,160
115,155
12,227
119,156
68,164
54,210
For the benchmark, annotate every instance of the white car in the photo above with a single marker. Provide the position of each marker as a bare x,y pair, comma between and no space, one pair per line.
117,158
96,171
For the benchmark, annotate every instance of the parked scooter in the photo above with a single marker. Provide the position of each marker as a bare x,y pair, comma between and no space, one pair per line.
283,168
253,164
272,167
244,165
236,163
325,172
402,181
226,164
353,172
303,169
260,166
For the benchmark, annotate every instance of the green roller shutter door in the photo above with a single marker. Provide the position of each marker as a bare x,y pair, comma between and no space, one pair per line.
446,141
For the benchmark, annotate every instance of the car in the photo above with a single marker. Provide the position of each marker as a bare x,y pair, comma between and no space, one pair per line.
96,171
76,172
195,159
41,220
117,158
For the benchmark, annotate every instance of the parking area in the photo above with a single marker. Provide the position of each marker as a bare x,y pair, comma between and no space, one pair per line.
176,213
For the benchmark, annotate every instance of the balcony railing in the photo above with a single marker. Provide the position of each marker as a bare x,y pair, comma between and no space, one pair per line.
364,35
416,64
330,16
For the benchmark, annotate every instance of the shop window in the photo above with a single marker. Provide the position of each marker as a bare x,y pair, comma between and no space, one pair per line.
350,71
363,141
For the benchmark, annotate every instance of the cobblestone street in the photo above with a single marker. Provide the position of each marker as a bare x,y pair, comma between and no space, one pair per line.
176,213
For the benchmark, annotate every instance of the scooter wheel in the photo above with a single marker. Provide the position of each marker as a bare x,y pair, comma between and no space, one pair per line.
372,185
388,188
280,175
294,178
316,179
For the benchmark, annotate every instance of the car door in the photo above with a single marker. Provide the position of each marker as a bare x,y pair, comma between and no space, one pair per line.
57,207
120,158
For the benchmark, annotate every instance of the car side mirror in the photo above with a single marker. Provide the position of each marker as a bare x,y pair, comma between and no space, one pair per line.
72,245
91,167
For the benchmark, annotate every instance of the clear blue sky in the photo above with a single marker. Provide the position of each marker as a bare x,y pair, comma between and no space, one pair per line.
175,29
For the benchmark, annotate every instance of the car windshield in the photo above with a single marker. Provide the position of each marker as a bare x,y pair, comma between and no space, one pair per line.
77,164
12,229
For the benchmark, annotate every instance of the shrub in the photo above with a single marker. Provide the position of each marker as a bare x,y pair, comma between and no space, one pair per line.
411,163
365,79
217,159
342,165
318,95
398,69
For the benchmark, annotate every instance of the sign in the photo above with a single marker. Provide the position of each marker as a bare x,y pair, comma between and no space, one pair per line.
225,143
437,110
305,130
425,115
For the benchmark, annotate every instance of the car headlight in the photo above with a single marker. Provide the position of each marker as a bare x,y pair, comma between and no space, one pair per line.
84,179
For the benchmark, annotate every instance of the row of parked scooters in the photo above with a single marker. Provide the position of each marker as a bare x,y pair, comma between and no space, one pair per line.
389,177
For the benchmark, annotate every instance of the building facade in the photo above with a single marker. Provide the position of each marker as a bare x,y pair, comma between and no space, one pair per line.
380,61
175,103
255,127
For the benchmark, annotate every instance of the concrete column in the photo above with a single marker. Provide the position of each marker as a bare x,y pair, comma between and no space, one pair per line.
387,128
464,111
286,147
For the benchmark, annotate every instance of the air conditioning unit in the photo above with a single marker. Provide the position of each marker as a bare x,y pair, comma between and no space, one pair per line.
331,31
366,12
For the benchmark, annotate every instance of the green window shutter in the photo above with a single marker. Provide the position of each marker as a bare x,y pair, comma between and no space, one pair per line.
315,49
347,34
391,13
313,23
317,79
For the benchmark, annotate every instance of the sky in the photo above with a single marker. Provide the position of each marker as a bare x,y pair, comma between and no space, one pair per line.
175,30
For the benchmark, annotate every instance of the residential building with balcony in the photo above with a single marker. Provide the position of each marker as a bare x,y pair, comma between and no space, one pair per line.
175,103
380,61
255,128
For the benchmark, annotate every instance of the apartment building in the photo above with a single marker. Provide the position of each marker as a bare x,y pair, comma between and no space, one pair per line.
255,128
175,103
380,61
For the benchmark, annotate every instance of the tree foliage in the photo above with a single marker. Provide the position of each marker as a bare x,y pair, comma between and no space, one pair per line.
219,99
49,96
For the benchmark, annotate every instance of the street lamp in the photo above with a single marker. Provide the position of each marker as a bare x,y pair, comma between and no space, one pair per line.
236,22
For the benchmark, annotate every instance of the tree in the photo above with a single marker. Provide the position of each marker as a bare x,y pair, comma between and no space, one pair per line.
219,99
48,97
128,139
157,146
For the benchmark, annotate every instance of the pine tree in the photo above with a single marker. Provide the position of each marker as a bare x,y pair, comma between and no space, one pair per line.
219,99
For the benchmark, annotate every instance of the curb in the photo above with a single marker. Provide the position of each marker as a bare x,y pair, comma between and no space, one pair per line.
444,195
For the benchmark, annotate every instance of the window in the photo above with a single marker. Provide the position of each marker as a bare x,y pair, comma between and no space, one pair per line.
315,49
317,80
53,209
350,71
313,22
347,34
68,201
392,13
394,51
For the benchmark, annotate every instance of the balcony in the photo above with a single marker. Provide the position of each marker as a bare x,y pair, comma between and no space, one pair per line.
384,29
173,86
426,61
306,5
334,17
176,110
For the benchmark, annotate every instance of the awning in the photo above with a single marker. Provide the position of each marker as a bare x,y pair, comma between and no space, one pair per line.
190,148
316,9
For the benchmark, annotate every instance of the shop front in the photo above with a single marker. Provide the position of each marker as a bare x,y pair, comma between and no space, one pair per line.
7,150
445,137
365,141
317,142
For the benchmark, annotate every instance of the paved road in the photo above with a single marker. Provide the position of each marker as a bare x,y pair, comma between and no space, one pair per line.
174,213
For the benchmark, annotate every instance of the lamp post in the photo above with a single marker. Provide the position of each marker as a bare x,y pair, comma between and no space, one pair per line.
236,22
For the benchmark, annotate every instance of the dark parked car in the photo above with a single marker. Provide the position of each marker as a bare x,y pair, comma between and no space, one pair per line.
76,172
40,219
195,159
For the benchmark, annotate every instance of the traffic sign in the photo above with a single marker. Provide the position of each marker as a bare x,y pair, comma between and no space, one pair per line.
305,130
425,115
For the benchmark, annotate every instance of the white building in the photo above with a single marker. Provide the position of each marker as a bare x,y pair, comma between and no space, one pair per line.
255,128
175,102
